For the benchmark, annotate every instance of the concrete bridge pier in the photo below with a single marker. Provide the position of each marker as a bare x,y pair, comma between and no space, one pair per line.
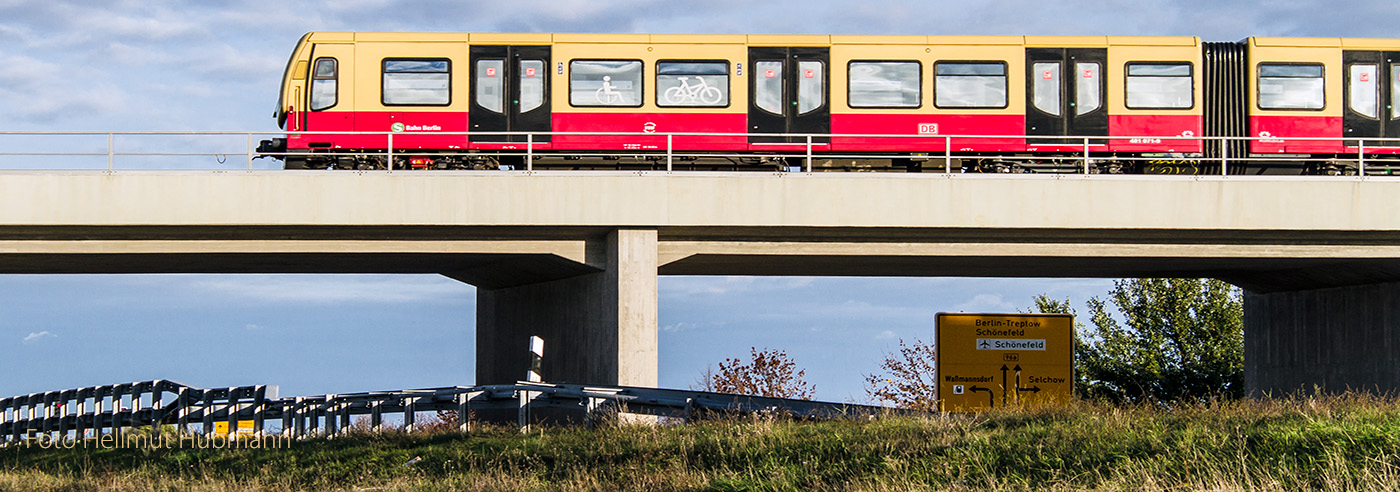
1331,339
599,328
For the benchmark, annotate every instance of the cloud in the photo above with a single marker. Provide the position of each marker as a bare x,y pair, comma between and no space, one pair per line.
37,337
329,289
885,335
986,303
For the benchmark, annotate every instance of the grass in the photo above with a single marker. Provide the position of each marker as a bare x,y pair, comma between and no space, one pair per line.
1329,443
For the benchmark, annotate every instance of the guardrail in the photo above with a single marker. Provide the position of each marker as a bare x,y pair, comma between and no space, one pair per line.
86,413
1088,153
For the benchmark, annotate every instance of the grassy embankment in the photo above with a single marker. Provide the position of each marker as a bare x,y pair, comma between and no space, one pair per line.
1349,443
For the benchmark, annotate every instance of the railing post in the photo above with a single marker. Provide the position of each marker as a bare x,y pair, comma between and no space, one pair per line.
809,153
529,152
1086,155
111,151
1224,154
389,153
670,145
250,152
948,155
1361,157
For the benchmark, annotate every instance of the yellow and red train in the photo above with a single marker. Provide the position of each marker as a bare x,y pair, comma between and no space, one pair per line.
461,100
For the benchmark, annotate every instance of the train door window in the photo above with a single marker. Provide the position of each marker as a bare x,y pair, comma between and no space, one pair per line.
692,84
1047,87
605,83
1364,94
1394,90
884,84
768,88
531,76
969,85
490,85
1159,86
811,95
417,83
323,84
1086,88
1291,86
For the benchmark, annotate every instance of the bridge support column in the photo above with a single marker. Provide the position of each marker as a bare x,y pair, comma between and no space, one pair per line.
1333,339
598,328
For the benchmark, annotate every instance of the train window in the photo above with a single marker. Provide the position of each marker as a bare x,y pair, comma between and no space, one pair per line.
605,83
1394,91
1047,87
884,84
1364,96
323,84
490,85
1087,88
531,74
692,84
1291,86
1160,86
811,92
417,83
969,84
768,86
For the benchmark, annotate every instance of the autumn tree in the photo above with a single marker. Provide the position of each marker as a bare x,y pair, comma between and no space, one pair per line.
769,373
908,380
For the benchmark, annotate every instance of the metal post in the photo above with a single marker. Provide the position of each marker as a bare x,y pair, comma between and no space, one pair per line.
1086,155
408,414
1361,157
376,416
250,152
529,152
389,153
1224,154
110,150
948,155
809,153
669,150
464,412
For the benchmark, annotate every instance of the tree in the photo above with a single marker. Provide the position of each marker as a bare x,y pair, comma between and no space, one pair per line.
911,382
768,373
1179,340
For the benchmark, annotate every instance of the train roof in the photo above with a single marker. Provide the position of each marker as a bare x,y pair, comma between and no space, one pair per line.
752,39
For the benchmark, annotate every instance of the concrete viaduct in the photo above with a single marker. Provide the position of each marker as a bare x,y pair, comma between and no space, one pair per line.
574,256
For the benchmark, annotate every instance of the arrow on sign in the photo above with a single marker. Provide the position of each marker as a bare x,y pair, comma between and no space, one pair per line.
990,401
1019,389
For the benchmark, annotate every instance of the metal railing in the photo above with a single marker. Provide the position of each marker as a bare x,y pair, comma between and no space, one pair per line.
1088,154
87,413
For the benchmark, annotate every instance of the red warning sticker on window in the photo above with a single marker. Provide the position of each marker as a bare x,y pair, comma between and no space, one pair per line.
1088,74
770,73
811,74
1047,75
530,72
490,71
1365,77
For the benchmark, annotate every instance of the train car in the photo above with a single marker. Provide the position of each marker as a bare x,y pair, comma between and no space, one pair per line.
480,100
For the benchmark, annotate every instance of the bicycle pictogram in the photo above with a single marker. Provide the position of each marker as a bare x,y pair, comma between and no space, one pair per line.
687,93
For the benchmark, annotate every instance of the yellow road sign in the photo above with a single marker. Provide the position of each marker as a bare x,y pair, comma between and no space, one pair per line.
996,360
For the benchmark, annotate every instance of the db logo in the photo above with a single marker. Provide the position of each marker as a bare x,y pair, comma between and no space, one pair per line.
649,127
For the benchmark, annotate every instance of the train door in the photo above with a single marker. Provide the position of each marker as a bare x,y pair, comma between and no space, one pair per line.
1372,82
328,103
789,93
510,92
1066,94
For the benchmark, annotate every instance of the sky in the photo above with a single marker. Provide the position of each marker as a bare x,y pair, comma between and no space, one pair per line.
162,65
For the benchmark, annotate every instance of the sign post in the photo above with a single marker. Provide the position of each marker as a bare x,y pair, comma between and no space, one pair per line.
986,361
